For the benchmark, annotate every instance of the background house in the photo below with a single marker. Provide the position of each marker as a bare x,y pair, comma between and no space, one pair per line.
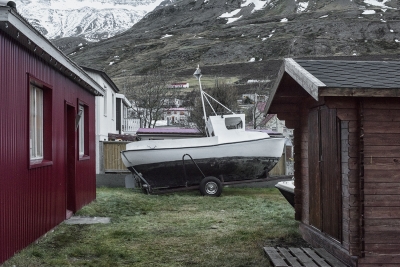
173,102
122,114
111,114
178,85
176,116
345,116
47,126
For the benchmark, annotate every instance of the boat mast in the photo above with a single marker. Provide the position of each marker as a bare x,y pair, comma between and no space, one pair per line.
197,74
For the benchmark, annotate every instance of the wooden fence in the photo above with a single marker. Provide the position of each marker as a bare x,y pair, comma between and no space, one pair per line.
280,168
112,156
113,162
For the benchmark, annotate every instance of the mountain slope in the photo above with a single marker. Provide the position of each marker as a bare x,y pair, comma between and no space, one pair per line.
90,20
220,35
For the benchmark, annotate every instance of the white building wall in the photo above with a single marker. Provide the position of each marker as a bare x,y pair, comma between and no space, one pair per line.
176,116
125,105
105,123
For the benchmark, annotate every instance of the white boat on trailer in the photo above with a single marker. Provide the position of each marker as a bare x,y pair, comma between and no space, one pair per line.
229,153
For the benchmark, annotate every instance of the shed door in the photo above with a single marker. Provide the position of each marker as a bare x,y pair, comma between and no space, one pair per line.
324,171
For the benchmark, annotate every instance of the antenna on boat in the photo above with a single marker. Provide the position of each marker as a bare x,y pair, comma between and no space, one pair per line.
203,95
197,74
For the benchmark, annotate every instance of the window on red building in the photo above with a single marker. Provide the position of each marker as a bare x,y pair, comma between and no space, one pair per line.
40,123
83,130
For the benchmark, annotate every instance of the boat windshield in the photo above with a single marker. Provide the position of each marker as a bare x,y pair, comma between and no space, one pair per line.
233,123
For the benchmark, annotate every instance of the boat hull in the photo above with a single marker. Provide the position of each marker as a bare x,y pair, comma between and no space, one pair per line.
287,190
187,166
188,173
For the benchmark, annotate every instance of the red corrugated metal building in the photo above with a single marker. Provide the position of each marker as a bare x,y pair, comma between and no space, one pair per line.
47,135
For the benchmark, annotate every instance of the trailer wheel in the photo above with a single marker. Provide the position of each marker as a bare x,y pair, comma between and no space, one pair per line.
211,186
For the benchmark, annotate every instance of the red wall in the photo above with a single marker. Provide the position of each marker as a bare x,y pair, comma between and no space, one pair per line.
33,200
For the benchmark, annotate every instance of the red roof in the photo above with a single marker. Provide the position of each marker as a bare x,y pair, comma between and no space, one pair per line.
166,130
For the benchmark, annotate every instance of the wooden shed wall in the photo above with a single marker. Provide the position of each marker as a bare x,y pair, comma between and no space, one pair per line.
296,116
370,156
370,170
33,200
381,182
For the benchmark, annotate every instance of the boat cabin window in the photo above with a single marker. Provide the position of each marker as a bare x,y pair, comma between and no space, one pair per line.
233,123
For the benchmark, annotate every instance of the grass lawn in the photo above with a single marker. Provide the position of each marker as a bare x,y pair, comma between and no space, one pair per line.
180,229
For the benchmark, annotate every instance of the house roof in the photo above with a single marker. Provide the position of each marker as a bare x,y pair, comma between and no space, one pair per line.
104,76
21,31
125,100
176,109
340,78
268,131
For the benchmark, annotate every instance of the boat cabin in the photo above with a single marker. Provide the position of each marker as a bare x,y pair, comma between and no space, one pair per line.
346,120
225,124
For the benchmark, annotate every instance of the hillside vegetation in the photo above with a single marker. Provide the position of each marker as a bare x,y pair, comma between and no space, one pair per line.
238,39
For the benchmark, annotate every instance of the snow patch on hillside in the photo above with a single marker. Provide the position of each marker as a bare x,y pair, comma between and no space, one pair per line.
257,5
230,14
377,3
368,12
302,6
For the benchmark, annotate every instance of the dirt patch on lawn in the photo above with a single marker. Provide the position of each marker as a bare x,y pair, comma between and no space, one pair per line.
296,242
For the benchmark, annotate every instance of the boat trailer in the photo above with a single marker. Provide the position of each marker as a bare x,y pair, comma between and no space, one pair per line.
208,186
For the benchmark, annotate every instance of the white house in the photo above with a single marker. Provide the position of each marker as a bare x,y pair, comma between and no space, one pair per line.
255,97
111,112
173,102
178,85
176,116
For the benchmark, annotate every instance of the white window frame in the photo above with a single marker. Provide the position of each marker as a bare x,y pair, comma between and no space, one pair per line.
81,130
105,101
113,107
36,123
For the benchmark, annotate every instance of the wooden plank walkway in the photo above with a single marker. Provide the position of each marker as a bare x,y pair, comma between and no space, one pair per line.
296,257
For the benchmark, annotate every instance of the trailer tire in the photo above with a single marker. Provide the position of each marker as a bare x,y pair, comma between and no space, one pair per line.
211,186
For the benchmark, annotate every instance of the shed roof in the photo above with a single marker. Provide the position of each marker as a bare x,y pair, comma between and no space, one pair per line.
360,74
339,78
20,30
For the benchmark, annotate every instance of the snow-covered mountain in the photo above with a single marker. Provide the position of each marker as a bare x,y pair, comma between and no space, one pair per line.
92,20
244,38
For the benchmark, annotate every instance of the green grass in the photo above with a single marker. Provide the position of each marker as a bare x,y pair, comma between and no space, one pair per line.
180,229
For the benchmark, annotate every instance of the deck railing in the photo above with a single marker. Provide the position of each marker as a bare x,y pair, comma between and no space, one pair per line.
130,126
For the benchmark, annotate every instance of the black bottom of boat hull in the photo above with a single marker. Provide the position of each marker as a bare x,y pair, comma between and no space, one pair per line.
289,196
178,174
